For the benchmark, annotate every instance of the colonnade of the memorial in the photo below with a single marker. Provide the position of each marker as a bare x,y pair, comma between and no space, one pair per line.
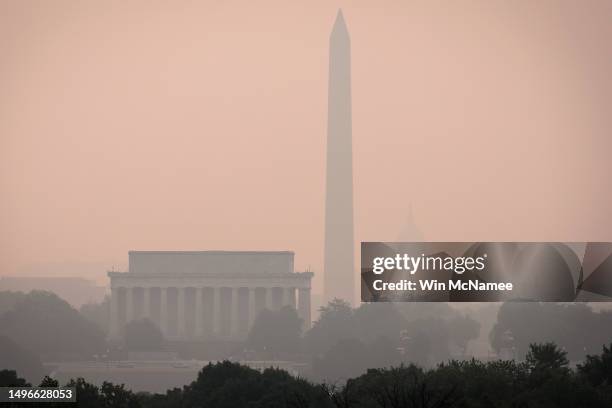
199,312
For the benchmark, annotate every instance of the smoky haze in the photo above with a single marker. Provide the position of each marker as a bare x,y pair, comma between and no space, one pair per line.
197,131
133,126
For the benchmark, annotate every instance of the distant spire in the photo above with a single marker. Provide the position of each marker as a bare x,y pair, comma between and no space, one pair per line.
339,267
339,25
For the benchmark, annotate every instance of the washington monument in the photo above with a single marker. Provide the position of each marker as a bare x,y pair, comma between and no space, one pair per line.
339,244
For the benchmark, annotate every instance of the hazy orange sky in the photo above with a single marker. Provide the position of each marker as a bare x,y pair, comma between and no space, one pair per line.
201,125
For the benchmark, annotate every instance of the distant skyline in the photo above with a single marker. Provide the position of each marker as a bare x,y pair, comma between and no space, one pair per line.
159,126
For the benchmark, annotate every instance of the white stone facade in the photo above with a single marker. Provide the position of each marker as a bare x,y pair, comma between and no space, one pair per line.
206,294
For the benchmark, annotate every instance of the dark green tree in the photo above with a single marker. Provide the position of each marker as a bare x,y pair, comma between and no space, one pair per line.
98,313
352,357
276,331
406,386
45,324
335,323
462,329
346,359
88,395
9,299
546,356
14,357
49,382
230,385
117,396
9,378
375,320
107,396
597,369
427,341
143,335
573,326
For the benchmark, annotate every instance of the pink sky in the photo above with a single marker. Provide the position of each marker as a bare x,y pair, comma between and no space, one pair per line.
201,125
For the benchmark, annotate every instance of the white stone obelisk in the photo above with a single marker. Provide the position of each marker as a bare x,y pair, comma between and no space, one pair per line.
339,244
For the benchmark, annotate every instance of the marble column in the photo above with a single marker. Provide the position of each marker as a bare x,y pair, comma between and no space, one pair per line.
269,298
146,303
293,298
217,311
114,314
129,305
181,312
289,297
199,312
304,307
163,311
252,309
235,315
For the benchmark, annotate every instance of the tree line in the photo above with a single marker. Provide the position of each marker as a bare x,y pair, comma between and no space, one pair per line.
544,379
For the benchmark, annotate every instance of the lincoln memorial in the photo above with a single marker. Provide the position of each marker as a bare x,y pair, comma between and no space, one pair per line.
206,294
